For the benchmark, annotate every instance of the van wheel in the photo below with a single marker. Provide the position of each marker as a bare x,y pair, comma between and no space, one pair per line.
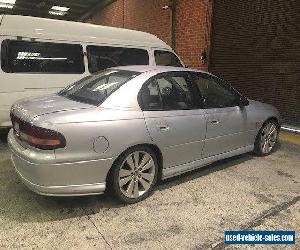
134,174
266,138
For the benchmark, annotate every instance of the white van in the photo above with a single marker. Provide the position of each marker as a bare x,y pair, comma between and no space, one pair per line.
41,56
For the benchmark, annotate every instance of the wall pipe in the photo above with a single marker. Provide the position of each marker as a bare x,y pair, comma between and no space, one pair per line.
172,23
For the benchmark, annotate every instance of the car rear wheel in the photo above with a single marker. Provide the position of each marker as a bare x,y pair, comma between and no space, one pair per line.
135,174
266,138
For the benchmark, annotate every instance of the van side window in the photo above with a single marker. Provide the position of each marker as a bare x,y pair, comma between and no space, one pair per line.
166,58
103,57
41,57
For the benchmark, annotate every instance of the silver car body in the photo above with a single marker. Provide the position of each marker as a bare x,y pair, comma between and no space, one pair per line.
97,135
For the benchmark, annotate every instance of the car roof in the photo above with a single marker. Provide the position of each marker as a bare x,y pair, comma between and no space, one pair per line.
156,69
52,29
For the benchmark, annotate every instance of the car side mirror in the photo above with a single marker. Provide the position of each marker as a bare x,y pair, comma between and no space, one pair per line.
243,101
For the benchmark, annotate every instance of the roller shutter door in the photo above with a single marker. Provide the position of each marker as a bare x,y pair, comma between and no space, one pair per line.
256,47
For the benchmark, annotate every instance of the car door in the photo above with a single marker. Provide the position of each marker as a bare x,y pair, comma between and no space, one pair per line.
173,122
228,127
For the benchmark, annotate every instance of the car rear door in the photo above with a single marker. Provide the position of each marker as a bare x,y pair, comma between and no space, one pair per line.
171,117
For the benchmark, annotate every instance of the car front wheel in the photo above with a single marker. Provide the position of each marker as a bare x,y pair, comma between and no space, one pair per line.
266,138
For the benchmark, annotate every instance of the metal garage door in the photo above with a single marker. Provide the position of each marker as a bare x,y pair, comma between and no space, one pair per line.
256,46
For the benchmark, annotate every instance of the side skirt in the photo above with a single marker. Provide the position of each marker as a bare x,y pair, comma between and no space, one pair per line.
180,169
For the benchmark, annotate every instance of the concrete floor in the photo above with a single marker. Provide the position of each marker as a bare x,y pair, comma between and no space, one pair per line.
187,212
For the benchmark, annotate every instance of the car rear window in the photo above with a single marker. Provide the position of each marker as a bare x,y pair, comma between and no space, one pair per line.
94,89
41,57
103,57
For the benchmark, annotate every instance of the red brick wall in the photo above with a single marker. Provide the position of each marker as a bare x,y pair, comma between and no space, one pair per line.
112,15
143,15
193,31
148,16
192,23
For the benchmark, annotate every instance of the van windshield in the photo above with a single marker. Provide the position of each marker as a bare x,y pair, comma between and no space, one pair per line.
94,89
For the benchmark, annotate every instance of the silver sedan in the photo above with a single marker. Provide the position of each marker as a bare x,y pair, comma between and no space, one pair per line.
125,128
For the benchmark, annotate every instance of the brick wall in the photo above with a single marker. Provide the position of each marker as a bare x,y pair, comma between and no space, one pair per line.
148,16
256,46
193,31
192,23
111,15
143,15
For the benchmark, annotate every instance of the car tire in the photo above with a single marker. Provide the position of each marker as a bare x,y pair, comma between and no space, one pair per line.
266,138
134,174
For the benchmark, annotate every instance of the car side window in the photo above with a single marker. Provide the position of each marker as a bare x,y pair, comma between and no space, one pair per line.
215,93
103,57
166,58
167,93
150,97
41,57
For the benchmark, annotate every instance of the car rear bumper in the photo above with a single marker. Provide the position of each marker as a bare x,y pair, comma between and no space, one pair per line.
70,190
58,179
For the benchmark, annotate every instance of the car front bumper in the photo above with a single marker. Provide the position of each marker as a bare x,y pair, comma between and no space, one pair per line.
57,179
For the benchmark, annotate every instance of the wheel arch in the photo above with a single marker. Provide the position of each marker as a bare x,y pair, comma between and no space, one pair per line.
153,147
272,118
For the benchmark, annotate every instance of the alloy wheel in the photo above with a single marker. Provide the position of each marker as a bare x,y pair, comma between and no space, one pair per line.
268,138
136,174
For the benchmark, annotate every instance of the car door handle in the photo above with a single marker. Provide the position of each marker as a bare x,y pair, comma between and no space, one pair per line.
163,127
215,122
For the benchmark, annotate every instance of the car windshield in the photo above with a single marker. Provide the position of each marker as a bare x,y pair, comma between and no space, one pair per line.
94,89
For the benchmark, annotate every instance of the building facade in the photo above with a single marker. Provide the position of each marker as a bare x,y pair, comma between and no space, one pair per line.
255,45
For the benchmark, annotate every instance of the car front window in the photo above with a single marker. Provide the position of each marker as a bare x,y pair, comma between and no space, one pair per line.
215,93
94,89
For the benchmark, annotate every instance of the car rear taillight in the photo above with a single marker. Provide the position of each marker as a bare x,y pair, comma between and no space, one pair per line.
38,137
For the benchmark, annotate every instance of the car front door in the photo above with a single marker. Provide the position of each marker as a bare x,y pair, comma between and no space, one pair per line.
228,127
173,122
